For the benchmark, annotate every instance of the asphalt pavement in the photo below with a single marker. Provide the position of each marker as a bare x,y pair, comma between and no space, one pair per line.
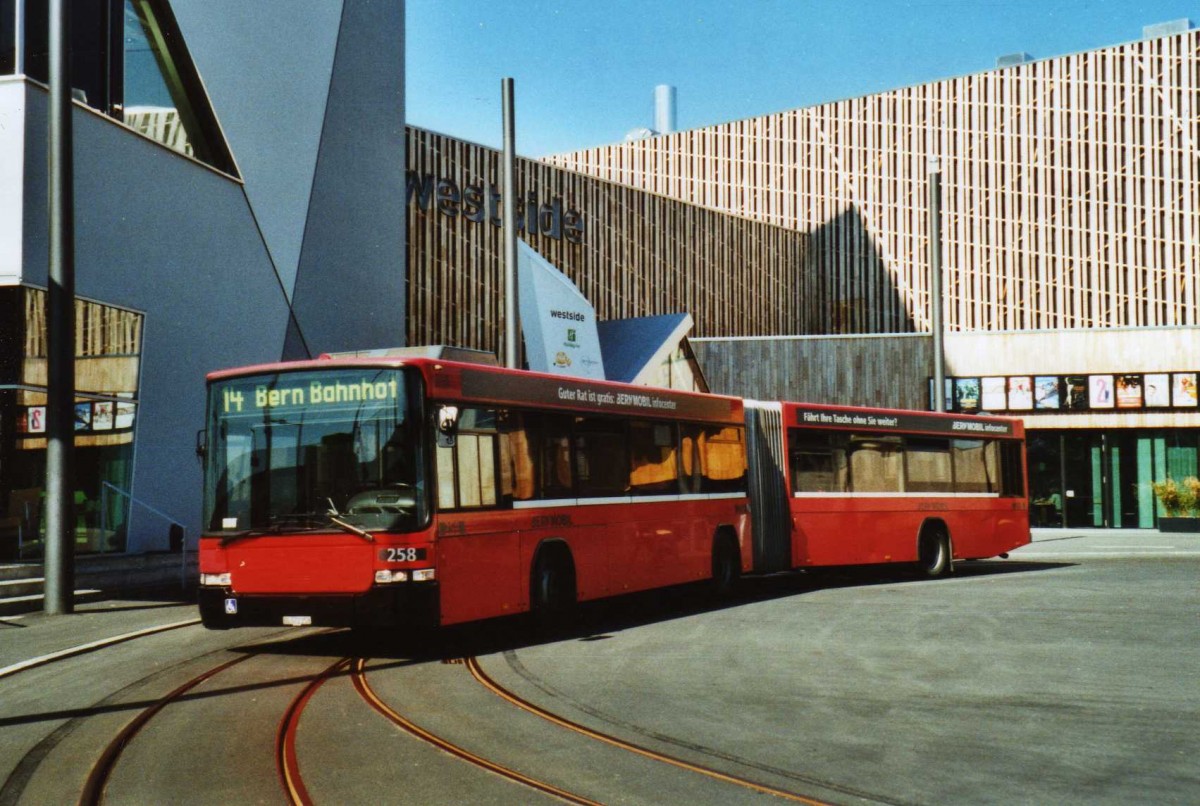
35,634
1074,544
1032,679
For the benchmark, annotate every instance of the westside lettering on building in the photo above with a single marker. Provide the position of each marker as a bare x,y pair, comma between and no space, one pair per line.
476,203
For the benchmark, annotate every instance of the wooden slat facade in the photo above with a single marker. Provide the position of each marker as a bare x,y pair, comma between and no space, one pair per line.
641,254
1070,192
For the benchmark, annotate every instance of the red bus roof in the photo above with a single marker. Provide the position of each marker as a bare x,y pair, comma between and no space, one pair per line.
456,381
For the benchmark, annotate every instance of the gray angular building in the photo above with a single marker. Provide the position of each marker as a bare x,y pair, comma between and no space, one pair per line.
239,177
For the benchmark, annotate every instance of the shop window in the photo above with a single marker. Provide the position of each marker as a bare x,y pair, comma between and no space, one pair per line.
8,37
107,349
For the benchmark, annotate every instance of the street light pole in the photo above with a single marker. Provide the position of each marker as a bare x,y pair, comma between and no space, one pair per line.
935,284
60,323
508,181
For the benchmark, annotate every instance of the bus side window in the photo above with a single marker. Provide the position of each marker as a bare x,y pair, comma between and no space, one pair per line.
971,470
653,468
689,456
723,459
601,467
811,459
927,467
517,459
466,473
875,464
553,454
1012,475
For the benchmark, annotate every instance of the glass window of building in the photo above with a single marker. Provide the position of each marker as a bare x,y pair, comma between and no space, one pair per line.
108,354
128,62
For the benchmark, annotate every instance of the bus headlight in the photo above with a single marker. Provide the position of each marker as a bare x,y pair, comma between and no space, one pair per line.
385,577
423,575
216,580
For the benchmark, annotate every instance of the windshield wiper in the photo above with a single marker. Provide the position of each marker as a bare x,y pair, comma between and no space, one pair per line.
300,521
352,529
236,536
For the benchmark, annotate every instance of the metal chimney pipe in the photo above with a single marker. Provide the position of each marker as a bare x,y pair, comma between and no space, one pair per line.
664,109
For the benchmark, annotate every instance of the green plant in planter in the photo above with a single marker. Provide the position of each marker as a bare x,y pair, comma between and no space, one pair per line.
1192,496
1178,498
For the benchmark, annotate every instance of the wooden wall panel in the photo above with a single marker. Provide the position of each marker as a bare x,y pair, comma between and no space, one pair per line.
641,254
887,371
1070,192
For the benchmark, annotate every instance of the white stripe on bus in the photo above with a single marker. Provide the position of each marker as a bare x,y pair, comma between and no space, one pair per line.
625,499
895,495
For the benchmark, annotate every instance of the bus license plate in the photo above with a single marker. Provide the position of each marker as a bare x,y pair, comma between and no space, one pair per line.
297,621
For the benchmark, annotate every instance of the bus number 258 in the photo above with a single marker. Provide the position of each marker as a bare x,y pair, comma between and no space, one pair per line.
401,555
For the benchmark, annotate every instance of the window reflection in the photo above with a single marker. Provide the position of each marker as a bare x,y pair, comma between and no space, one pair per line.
155,103
128,62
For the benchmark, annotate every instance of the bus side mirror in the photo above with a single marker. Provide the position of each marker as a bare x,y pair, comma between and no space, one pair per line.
447,426
201,439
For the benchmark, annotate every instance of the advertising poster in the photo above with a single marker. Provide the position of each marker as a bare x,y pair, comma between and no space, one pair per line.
124,415
1157,390
83,416
1183,389
1129,391
1020,394
966,394
993,394
35,420
1045,392
1077,392
1100,391
102,416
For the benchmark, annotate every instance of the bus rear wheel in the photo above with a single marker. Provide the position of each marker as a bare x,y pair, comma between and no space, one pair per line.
552,588
933,554
726,566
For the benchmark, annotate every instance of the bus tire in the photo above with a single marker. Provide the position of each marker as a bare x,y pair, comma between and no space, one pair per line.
211,615
726,564
552,586
933,553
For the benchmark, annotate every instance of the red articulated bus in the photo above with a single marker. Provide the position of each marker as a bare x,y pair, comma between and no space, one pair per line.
836,486
384,491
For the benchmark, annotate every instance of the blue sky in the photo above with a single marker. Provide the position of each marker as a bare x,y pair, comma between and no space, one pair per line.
585,71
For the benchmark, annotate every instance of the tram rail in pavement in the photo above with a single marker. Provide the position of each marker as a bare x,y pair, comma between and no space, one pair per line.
105,576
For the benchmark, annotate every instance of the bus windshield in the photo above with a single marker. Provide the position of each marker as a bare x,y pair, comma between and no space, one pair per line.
315,451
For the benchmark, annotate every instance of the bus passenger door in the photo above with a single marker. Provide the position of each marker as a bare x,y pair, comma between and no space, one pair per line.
478,543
